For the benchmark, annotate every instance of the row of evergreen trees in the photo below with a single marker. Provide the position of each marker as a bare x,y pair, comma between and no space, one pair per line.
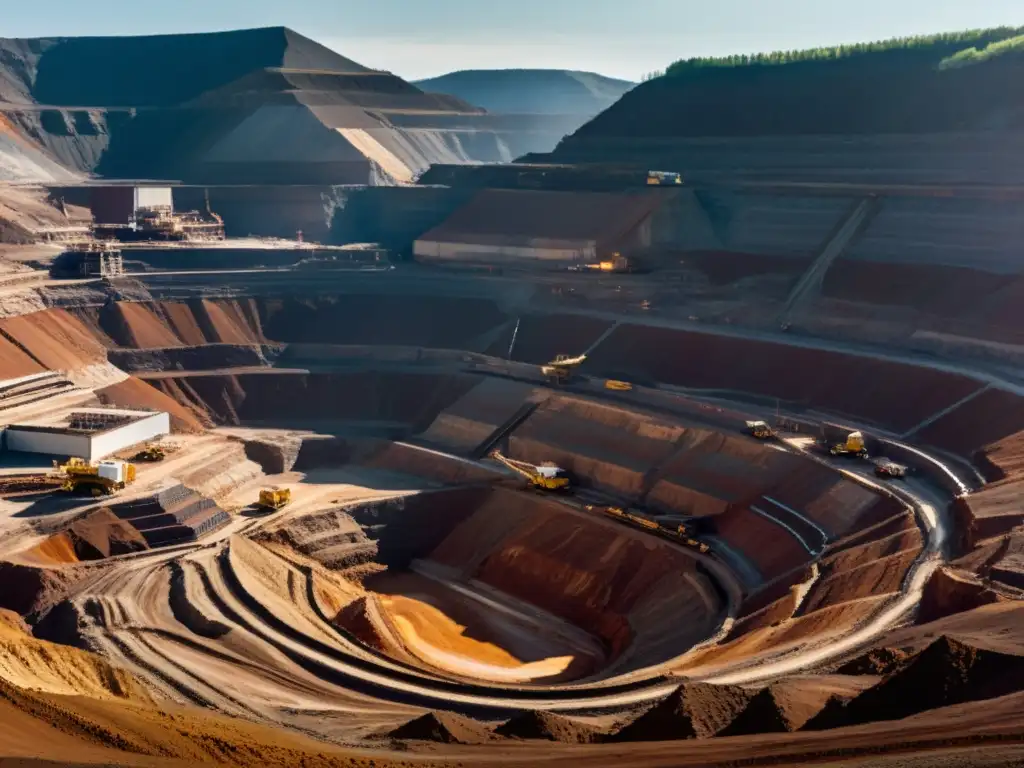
992,42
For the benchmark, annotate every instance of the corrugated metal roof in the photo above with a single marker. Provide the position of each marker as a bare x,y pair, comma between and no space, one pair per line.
527,217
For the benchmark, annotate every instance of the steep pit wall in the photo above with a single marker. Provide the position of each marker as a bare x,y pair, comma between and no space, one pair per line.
145,325
475,416
424,321
54,338
135,393
895,395
404,400
541,338
642,596
604,446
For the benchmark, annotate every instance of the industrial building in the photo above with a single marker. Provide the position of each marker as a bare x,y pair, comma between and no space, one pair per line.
87,433
554,228
117,205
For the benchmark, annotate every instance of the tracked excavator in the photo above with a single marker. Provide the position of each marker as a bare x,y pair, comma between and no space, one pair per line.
560,370
545,477
99,479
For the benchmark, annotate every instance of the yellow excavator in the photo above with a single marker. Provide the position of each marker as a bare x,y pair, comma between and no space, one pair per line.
275,498
561,369
99,479
545,477
854,446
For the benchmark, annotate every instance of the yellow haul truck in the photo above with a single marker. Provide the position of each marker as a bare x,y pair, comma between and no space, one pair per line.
275,498
99,479
760,430
854,446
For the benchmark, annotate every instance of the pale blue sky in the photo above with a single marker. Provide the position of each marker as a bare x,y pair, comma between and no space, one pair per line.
622,38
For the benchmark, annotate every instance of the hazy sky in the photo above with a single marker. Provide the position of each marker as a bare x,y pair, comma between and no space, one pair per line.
623,38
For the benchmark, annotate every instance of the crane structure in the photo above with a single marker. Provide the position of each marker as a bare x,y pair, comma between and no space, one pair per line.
561,369
545,477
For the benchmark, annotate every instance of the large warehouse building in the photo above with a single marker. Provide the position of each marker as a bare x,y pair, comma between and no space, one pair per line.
87,433
554,228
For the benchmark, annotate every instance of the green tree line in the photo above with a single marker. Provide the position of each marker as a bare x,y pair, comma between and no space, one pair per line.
991,38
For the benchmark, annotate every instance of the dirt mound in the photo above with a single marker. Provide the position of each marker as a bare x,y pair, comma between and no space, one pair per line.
444,728
950,591
877,661
547,726
946,672
26,589
692,711
355,619
98,535
780,708
12,621
28,662
135,393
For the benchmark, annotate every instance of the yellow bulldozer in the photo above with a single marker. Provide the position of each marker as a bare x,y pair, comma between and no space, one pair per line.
152,453
99,479
275,498
545,477
854,446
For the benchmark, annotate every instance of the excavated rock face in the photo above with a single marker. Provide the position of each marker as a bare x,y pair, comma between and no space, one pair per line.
877,661
950,591
274,457
693,711
946,672
548,726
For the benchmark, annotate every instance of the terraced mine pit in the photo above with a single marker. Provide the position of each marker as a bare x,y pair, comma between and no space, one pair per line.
411,573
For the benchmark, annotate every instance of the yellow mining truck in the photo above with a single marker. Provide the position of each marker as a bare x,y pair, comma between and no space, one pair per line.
99,479
854,446
275,498
618,386
546,477
760,430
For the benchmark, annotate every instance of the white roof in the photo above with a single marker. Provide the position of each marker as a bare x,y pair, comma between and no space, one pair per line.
548,471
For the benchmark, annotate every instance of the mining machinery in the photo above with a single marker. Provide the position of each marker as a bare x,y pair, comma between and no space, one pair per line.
760,430
99,479
679,533
854,446
663,178
275,498
560,370
615,264
545,477
618,386
151,453
890,469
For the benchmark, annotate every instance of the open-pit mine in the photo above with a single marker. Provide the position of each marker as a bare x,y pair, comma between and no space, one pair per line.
569,460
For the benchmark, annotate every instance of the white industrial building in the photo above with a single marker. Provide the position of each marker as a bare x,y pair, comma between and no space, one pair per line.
87,433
